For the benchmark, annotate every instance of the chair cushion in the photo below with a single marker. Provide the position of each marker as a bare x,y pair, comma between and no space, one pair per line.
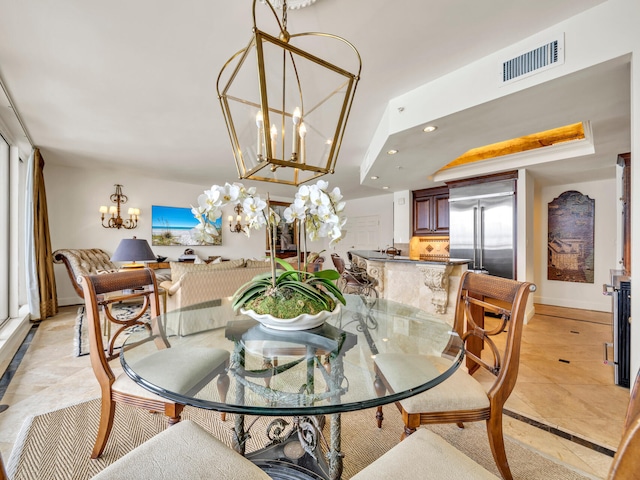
458,392
187,368
426,456
184,450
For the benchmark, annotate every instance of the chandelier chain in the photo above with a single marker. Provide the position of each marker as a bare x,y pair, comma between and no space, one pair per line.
284,15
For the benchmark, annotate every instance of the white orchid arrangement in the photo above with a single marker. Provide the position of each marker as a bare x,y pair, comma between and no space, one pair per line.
318,213
314,206
319,210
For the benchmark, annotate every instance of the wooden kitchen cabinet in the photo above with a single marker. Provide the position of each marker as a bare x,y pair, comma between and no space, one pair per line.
624,160
431,211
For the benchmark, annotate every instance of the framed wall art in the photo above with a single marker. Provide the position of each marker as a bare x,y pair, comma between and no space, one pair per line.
286,233
176,226
570,238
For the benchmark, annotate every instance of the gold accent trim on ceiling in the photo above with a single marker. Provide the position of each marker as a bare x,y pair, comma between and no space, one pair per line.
567,133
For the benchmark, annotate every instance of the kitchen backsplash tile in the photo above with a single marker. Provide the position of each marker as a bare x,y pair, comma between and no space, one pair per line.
429,247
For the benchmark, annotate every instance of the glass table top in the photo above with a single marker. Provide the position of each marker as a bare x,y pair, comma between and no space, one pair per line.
328,369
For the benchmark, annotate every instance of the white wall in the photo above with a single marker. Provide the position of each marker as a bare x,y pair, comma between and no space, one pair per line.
402,227
75,194
571,294
381,205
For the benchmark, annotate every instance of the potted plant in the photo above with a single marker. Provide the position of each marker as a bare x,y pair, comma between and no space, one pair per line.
286,297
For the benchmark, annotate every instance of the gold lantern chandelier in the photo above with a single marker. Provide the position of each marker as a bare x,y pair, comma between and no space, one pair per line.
286,121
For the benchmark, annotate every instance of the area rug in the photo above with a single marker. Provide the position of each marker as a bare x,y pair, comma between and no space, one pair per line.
81,331
58,444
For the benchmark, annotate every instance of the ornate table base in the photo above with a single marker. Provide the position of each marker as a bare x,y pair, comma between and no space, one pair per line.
297,454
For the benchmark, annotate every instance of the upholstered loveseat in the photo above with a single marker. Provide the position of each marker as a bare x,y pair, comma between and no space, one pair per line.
83,261
88,261
198,283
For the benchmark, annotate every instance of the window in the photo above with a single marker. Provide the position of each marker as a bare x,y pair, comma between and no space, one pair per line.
12,290
4,230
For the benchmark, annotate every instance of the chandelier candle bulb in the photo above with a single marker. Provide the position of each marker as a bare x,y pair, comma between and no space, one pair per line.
274,138
303,134
260,142
294,137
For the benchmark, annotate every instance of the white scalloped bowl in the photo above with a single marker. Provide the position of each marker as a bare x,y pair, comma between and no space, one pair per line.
301,322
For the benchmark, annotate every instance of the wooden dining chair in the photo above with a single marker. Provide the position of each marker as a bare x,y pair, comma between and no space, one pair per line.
432,458
100,293
461,398
3,472
626,462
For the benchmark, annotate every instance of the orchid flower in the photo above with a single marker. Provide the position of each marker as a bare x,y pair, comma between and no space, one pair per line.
315,207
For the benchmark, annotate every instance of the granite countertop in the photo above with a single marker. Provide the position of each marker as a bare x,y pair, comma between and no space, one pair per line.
383,257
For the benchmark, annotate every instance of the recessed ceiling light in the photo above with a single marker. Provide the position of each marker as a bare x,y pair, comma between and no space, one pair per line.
392,151
385,188
429,128
374,177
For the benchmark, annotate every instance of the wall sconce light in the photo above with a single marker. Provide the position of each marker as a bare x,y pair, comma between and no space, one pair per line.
238,227
116,221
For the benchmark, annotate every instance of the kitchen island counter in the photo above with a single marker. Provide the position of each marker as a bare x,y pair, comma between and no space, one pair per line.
383,257
429,284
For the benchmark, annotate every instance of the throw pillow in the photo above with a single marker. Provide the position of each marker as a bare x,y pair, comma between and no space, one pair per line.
180,268
258,263
111,270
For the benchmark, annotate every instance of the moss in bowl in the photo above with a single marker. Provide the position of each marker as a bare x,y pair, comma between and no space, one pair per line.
290,294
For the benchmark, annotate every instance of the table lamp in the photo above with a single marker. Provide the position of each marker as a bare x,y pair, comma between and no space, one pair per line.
133,250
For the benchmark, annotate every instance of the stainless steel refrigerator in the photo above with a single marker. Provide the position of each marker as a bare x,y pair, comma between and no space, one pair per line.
620,290
482,226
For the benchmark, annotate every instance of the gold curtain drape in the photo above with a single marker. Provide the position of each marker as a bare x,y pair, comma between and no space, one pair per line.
42,242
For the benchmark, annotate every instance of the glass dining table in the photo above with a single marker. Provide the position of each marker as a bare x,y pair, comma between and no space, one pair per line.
306,376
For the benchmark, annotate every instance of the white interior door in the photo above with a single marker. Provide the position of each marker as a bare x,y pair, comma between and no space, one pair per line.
361,233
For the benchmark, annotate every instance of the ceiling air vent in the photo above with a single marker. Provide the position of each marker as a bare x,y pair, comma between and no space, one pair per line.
548,55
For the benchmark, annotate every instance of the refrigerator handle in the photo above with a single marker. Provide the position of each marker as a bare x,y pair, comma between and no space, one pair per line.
475,236
605,359
607,289
481,239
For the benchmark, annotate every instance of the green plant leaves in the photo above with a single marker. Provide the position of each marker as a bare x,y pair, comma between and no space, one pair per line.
318,286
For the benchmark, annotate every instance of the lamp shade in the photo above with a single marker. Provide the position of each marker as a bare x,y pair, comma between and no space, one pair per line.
132,250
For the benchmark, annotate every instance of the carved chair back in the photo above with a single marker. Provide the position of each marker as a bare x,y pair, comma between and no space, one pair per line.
3,472
626,462
505,298
101,292
338,262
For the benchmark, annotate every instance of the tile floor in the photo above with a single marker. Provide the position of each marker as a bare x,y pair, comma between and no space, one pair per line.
577,397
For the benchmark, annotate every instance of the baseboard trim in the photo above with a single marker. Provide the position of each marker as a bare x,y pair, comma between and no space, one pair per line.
573,303
66,301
